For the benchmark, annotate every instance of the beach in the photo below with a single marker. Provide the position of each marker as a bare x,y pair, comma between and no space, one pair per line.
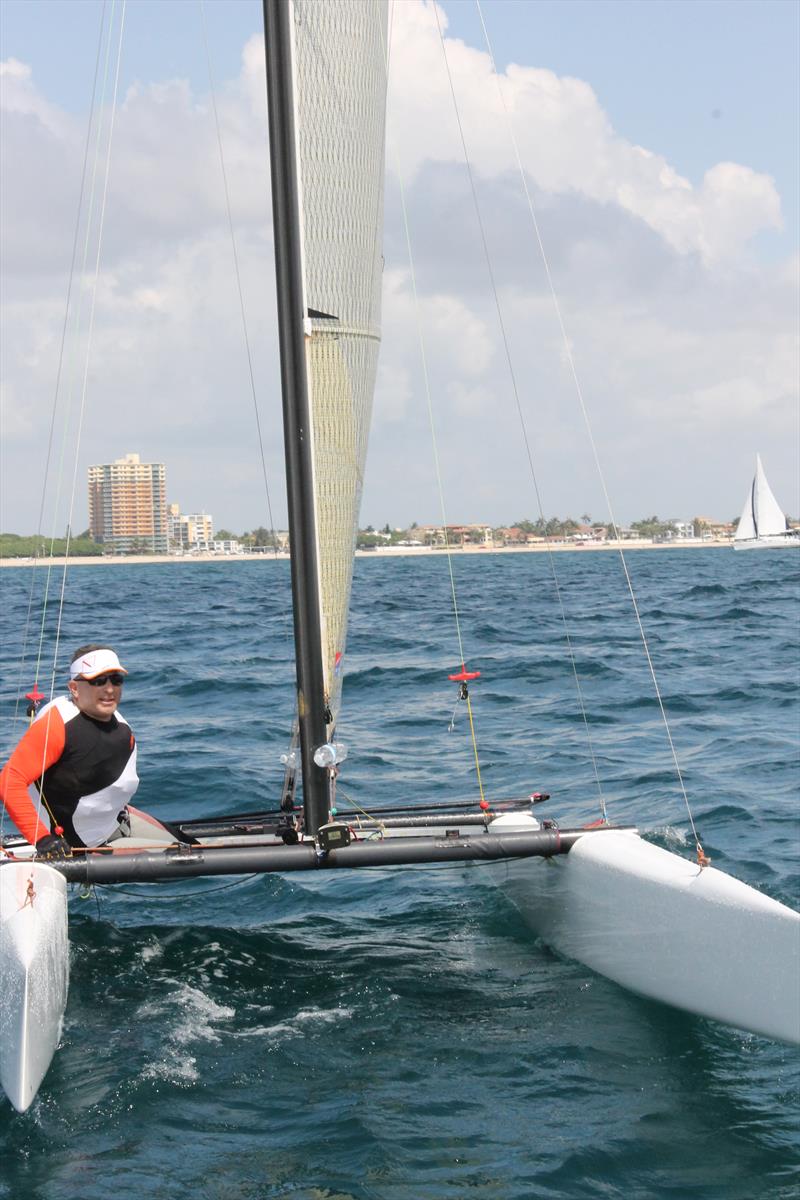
384,552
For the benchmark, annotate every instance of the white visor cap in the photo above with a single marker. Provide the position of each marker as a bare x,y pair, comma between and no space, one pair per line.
96,662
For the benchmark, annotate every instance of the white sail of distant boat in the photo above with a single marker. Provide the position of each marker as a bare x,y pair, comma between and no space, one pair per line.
762,524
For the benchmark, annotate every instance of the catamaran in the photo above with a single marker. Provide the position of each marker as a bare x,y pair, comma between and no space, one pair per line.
762,525
670,928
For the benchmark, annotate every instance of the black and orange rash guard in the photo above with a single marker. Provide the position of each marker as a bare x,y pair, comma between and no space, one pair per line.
84,769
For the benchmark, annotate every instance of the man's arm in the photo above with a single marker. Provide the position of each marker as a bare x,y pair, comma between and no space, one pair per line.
42,745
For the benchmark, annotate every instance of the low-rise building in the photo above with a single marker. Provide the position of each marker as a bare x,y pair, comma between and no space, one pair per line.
189,532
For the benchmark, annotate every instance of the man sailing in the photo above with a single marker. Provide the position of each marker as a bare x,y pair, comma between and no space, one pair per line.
79,756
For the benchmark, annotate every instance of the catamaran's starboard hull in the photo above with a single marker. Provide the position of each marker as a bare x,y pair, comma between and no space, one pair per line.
658,924
34,975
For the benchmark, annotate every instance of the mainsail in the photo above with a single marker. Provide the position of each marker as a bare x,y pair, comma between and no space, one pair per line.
762,516
340,101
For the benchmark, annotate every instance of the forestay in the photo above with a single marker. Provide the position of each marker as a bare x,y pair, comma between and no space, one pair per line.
340,96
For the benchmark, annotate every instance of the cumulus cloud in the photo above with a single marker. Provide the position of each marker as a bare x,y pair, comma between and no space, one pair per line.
684,341
565,139
22,98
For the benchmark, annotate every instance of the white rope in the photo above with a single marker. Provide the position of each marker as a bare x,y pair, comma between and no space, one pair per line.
521,416
90,332
56,392
59,481
72,379
437,462
238,278
428,394
84,388
428,400
579,393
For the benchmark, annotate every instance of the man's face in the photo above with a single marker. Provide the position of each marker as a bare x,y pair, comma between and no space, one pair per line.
97,699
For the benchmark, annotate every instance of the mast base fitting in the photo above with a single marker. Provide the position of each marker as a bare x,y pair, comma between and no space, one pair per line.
333,836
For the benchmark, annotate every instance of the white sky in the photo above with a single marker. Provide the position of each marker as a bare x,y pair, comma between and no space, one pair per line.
660,147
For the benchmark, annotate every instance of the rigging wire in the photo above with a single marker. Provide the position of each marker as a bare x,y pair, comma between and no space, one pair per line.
363,812
238,278
73,364
57,388
76,325
182,896
515,389
435,449
89,334
587,423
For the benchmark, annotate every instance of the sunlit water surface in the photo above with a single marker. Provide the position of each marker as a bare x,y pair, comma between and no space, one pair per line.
398,1034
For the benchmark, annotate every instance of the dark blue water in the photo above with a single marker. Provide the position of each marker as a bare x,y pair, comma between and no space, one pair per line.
386,1036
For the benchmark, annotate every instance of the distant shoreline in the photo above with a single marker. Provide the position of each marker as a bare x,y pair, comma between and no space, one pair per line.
384,552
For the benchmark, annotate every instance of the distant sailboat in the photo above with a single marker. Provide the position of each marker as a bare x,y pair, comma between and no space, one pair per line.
762,525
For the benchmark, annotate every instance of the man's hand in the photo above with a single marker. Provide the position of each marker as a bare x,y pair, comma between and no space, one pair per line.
52,845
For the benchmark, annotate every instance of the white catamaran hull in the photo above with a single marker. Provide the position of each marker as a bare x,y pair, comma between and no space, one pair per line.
658,924
34,975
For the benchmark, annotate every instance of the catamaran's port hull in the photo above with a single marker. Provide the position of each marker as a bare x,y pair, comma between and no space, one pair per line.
34,974
665,928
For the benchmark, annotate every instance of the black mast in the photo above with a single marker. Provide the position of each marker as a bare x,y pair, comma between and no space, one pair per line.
296,410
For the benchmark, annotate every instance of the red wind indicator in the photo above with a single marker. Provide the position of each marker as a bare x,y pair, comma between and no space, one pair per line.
35,696
464,675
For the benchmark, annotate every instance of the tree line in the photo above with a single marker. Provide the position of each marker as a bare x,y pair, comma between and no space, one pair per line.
554,527
13,545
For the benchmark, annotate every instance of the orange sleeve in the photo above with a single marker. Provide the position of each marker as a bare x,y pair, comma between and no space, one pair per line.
41,746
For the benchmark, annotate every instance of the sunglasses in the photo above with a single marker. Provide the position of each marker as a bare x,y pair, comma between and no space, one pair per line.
115,680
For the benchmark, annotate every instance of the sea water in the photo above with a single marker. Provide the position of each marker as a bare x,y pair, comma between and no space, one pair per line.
395,1034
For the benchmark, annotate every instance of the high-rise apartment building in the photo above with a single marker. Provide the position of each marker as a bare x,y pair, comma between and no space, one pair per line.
127,505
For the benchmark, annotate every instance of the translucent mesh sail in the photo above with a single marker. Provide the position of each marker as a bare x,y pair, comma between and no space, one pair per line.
340,99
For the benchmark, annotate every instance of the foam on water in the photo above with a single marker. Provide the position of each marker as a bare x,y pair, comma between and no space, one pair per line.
185,1016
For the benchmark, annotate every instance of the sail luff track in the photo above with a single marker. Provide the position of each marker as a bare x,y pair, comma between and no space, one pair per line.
311,705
